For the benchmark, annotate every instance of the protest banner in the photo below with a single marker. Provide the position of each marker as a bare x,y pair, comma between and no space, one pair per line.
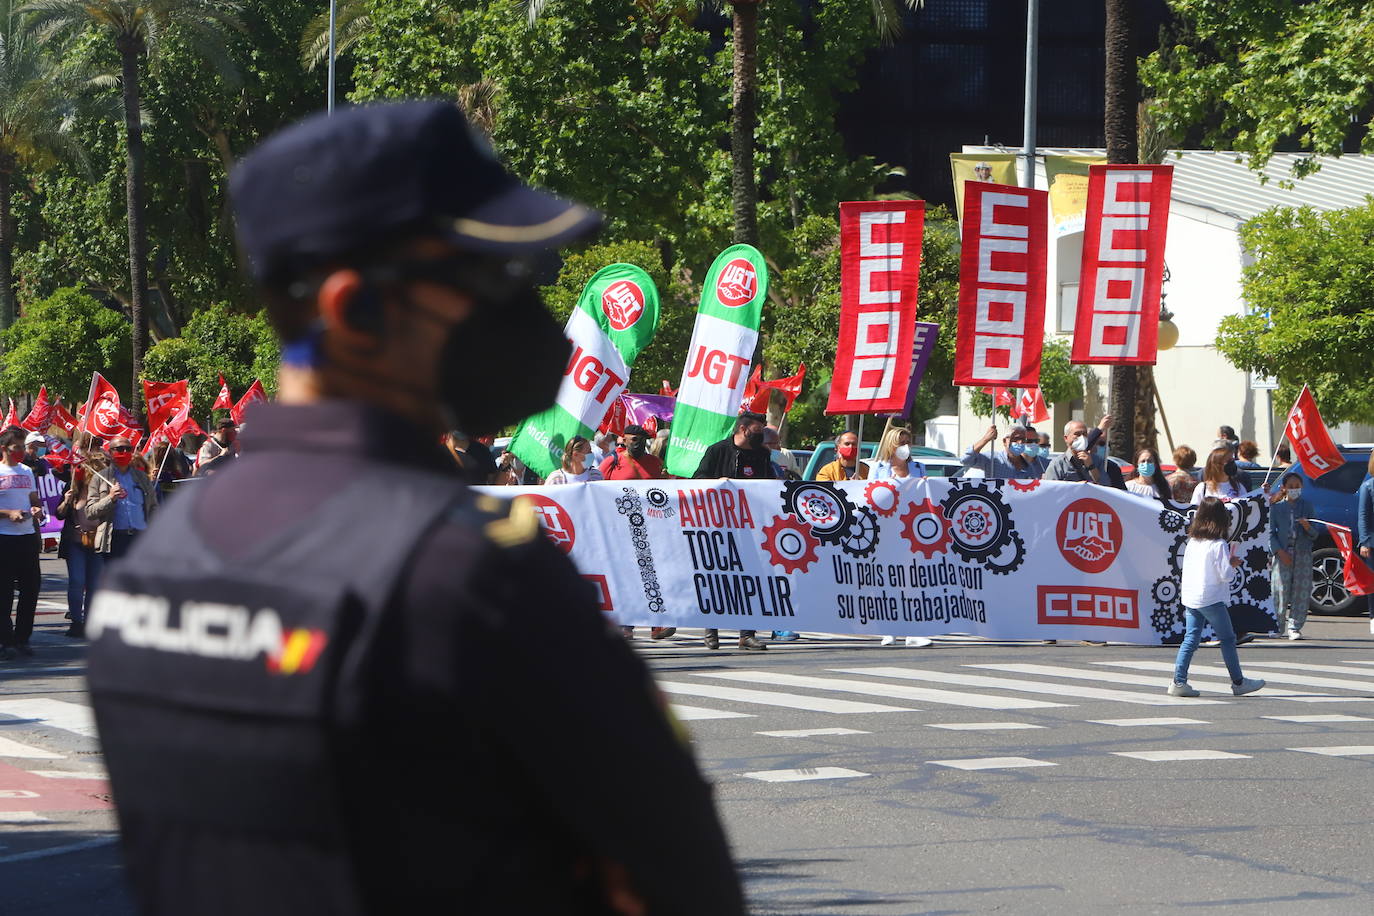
615,318
1001,287
719,356
1122,271
1068,180
922,346
915,557
1310,437
880,268
644,410
980,168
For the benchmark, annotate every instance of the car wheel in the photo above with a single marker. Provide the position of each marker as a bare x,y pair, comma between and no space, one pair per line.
1329,594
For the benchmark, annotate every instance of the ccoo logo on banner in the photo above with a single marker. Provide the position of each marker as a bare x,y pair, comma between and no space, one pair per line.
917,557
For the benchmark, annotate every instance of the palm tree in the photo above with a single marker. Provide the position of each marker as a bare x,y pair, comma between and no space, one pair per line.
352,20
137,28
35,117
744,92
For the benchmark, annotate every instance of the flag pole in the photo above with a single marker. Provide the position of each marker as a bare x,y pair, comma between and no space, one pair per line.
1275,456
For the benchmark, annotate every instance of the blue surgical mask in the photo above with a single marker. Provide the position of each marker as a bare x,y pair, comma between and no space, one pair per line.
1017,448
1032,451
41,451
1147,469
776,456
588,461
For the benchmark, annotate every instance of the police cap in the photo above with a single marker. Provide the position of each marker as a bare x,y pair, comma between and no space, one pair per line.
368,175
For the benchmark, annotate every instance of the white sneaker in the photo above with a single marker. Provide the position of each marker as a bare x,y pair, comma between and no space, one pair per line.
1294,634
1371,625
888,641
1248,685
1183,690
919,642
1210,643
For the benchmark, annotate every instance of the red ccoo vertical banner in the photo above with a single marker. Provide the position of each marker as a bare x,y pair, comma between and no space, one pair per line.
1002,286
1123,264
880,265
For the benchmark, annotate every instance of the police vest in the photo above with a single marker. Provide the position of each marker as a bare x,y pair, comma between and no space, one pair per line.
226,690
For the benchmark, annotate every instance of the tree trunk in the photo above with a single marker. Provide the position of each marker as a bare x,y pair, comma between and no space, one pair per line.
8,307
129,50
1146,433
1121,137
743,117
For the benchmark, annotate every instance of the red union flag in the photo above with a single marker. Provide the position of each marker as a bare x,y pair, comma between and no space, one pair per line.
1359,578
1032,405
41,416
104,418
224,400
1311,441
1123,264
1002,286
63,418
1001,397
880,266
254,395
164,399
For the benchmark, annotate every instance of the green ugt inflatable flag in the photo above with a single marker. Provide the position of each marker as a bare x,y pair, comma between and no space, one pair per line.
719,356
615,318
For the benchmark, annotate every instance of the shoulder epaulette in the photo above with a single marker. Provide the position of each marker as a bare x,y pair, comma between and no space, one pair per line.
515,521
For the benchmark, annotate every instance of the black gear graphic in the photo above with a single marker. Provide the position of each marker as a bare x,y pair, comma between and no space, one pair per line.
1165,590
822,506
1166,620
981,527
1257,559
1255,516
1248,617
656,498
1176,554
636,519
1259,588
863,538
1172,521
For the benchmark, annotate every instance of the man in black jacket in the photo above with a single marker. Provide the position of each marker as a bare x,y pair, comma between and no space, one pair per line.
313,677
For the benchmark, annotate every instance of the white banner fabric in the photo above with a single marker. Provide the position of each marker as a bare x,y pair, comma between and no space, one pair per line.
919,557
718,361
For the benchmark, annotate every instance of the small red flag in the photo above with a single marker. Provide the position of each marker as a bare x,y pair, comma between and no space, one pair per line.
63,418
666,389
1311,441
105,417
164,399
1359,578
1032,405
40,417
254,395
790,387
1001,397
11,418
224,400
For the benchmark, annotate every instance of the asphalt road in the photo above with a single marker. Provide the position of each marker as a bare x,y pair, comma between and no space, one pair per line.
964,777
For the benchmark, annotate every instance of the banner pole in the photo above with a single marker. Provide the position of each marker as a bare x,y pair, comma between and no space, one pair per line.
859,454
1159,402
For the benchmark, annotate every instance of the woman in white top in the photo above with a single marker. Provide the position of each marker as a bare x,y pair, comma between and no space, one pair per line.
894,461
1204,590
1149,480
578,463
1219,478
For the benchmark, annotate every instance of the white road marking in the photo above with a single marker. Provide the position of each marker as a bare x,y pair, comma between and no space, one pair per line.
1159,720
1253,670
1063,690
1356,662
11,748
804,774
57,850
981,726
71,717
69,774
1354,750
770,698
1321,669
1113,677
693,713
813,732
991,763
1167,756
22,817
1318,719
877,689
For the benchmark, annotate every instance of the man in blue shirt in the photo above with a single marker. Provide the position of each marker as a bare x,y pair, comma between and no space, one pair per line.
1012,463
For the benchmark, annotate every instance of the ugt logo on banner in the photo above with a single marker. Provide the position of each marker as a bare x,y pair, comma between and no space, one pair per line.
880,267
1089,535
1002,287
1123,264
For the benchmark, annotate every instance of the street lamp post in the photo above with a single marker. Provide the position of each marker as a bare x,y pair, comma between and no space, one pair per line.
1032,65
333,15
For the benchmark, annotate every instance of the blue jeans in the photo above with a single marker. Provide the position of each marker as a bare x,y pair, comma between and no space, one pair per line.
83,575
1220,619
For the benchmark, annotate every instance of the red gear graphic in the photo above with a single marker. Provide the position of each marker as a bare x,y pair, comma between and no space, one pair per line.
1024,486
927,548
772,536
873,488
978,532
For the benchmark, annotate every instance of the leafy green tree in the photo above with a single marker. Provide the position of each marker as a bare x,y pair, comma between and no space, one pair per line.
136,27
217,340
35,114
1262,75
1310,318
59,341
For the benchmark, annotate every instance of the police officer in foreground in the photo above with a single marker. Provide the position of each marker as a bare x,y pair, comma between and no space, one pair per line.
330,679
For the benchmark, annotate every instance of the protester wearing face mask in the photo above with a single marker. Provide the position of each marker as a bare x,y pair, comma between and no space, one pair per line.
742,456
20,509
1150,480
632,460
784,463
1012,463
893,460
1291,537
1181,482
77,545
1034,451
1219,477
122,500
1226,437
1085,460
578,465
847,466
35,447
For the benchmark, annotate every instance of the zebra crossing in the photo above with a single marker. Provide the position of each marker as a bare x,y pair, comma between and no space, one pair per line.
57,737
1038,697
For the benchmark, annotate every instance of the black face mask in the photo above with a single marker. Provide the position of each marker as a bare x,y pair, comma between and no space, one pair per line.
754,440
1230,468
475,378
637,448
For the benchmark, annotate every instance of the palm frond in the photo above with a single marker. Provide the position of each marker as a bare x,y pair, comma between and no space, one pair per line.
534,9
352,21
